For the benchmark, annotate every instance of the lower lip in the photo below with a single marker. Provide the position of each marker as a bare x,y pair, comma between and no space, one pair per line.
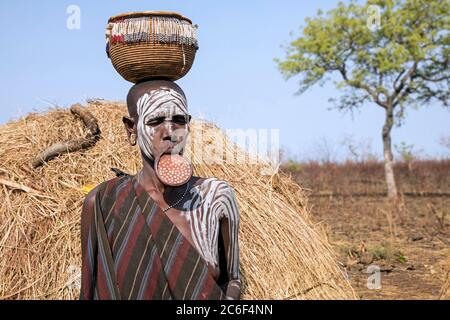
170,151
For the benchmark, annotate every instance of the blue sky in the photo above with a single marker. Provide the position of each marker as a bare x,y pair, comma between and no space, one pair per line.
234,80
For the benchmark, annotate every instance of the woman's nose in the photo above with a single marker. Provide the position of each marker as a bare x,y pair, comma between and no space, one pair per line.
168,124
168,128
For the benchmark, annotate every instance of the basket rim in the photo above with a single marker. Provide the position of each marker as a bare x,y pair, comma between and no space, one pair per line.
148,13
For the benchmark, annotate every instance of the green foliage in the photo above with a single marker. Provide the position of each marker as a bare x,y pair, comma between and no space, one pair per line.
406,151
383,251
401,257
403,62
386,251
292,166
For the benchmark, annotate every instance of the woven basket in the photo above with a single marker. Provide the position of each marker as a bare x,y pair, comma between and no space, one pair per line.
151,45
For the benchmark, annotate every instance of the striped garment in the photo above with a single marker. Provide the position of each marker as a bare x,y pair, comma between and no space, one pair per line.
131,250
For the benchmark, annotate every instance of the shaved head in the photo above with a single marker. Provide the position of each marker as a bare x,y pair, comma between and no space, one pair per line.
139,89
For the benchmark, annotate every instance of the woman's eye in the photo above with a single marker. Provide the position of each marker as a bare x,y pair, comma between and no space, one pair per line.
179,120
155,122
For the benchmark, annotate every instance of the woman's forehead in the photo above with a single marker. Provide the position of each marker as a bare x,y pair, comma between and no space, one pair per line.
163,100
166,109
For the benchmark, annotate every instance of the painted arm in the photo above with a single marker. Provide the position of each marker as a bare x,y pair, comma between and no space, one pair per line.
230,233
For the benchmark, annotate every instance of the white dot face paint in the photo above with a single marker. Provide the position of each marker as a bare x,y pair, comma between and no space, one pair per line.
160,103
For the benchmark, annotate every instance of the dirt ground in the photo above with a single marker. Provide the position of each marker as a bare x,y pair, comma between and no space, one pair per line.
389,250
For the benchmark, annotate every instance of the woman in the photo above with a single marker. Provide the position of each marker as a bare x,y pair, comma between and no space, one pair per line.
142,239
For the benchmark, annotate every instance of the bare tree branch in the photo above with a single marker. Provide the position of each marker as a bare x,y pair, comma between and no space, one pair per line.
398,77
361,85
404,79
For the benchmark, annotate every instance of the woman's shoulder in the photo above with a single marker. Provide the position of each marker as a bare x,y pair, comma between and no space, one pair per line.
213,184
216,190
222,195
107,187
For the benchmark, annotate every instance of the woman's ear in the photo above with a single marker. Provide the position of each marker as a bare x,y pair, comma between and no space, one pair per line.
189,123
130,128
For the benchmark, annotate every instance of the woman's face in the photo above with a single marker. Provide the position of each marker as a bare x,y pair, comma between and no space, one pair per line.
162,122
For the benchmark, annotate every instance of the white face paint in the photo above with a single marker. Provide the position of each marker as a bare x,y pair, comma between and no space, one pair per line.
160,103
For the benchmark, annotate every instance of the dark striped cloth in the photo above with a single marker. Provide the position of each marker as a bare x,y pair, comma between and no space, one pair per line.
131,250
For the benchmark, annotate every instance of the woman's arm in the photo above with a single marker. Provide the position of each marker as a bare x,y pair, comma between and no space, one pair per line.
230,232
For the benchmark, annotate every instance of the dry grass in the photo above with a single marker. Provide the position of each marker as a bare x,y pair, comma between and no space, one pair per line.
445,275
283,256
419,176
408,239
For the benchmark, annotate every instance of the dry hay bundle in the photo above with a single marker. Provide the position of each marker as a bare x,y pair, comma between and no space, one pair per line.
282,255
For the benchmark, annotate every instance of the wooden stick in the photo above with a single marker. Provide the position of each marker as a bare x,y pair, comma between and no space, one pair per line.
60,148
88,119
15,185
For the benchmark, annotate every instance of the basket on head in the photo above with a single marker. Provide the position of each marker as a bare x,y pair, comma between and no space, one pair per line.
151,45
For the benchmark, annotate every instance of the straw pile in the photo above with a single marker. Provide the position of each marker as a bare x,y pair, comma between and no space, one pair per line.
283,256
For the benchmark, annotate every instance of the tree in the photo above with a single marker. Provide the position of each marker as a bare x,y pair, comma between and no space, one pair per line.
403,61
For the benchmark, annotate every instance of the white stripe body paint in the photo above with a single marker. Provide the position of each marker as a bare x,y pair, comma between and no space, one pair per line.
162,102
212,201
